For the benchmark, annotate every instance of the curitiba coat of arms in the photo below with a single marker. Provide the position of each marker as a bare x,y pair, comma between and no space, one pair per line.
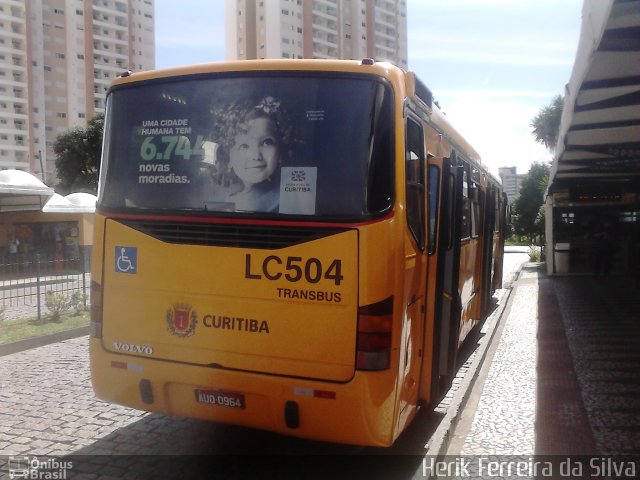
181,320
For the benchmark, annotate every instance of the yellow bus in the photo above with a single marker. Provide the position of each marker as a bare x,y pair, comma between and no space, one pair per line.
298,246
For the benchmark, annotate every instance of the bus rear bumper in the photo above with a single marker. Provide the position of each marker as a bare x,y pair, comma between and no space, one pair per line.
359,412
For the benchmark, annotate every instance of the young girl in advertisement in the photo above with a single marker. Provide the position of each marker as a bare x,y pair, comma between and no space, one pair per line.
254,141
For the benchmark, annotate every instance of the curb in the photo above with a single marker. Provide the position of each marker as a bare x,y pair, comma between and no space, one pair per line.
439,441
29,343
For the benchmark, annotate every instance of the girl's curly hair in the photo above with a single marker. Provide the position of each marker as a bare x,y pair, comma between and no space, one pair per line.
230,120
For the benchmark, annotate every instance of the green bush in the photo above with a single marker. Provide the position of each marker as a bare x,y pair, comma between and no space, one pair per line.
78,302
57,304
536,254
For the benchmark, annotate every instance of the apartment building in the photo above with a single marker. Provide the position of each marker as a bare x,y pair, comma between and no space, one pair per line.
57,59
348,29
510,182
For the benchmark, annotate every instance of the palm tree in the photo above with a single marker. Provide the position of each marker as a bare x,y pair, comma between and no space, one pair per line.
546,124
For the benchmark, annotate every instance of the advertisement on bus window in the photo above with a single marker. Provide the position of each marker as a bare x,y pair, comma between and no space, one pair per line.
293,146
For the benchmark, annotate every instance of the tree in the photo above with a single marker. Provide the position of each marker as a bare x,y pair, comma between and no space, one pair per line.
527,221
546,124
78,157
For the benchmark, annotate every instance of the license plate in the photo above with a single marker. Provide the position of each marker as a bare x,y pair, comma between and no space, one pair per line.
220,398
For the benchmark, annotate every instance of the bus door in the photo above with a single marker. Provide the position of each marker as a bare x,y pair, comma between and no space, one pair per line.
502,220
416,259
444,262
488,207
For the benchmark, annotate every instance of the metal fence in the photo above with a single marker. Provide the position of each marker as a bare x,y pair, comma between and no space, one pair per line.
25,282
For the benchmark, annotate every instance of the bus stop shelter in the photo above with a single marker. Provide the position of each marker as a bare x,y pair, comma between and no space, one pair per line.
20,191
592,203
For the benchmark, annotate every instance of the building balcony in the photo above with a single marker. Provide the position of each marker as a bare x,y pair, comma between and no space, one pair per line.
108,23
6,97
7,82
109,72
326,4
388,36
385,6
321,40
327,15
385,50
324,55
110,38
109,8
8,69
331,28
108,55
11,36
386,44
12,130
10,18
386,20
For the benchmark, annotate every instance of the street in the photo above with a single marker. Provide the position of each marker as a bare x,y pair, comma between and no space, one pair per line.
47,408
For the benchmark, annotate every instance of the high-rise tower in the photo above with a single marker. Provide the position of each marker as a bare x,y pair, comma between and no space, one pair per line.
347,29
57,59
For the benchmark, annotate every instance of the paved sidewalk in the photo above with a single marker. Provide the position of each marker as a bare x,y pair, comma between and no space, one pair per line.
565,374
505,419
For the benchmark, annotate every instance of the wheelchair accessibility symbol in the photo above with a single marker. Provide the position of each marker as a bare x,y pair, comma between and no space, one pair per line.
126,260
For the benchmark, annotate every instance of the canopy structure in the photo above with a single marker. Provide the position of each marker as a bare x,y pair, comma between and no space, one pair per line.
72,203
594,184
22,191
599,142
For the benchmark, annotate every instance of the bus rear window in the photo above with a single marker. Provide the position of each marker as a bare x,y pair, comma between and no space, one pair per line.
279,145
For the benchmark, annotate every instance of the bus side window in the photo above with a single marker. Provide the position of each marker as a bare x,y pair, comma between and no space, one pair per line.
465,224
476,216
476,196
450,208
433,182
496,202
414,177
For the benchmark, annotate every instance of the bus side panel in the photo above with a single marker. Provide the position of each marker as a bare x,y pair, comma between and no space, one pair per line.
387,270
97,254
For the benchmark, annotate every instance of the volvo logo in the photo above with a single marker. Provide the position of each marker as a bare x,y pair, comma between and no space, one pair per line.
132,348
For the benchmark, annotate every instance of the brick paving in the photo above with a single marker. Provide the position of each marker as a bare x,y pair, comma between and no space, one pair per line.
565,377
48,409
603,330
563,425
505,417
47,406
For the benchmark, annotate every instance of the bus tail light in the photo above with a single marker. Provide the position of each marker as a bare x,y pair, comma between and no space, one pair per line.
96,310
375,323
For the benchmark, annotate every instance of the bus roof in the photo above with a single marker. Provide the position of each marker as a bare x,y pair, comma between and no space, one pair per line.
357,66
413,87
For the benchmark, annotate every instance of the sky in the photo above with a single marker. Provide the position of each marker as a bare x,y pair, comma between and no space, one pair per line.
491,64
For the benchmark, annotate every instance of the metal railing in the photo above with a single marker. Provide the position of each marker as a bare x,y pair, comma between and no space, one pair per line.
25,281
